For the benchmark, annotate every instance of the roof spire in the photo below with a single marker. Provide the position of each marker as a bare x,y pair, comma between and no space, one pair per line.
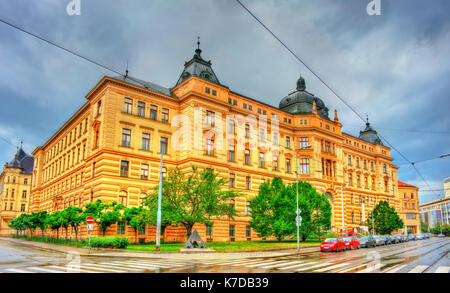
367,119
198,50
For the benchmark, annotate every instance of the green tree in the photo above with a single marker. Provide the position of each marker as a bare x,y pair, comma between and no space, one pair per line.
384,218
38,220
135,218
73,216
109,215
55,222
20,223
424,228
274,210
193,198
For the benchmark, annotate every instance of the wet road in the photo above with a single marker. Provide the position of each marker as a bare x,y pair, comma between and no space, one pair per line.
427,256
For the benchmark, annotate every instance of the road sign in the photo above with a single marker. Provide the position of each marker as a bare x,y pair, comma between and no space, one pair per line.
90,220
90,227
299,220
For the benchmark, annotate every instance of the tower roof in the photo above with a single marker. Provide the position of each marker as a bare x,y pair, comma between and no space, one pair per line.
198,67
22,161
370,135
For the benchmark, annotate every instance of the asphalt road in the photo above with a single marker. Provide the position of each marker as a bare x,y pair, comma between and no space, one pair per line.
422,256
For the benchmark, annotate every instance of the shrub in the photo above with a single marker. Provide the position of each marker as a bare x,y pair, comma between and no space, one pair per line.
119,242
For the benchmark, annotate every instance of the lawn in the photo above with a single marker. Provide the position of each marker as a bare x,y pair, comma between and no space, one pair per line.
227,246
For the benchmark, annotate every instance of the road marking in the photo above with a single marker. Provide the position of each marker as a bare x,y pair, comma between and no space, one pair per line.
313,267
418,269
396,269
332,267
47,270
263,264
351,269
442,270
282,264
134,265
111,264
103,268
153,264
298,265
18,271
248,262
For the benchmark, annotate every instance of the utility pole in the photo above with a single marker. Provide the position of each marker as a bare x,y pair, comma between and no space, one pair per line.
342,206
158,215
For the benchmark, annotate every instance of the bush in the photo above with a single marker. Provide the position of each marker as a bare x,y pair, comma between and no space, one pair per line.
119,242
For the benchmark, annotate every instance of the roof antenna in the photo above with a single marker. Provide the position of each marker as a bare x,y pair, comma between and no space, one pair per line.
198,42
126,71
21,143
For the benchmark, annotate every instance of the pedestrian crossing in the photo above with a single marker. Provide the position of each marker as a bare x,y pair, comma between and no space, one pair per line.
287,265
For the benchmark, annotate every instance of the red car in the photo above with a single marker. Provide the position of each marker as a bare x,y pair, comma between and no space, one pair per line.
351,242
333,244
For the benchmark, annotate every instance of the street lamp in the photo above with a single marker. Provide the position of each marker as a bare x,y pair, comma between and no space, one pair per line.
158,215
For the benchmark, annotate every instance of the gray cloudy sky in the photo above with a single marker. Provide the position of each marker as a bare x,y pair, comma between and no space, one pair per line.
394,67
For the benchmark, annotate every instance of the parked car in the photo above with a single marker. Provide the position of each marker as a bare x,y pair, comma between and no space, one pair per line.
379,240
351,242
388,239
333,244
426,236
367,241
411,237
441,235
394,239
420,237
399,238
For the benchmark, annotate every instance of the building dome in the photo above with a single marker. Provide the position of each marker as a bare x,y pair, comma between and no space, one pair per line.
370,135
301,101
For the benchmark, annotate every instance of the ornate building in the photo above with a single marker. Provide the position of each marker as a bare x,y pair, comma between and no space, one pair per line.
110,149
15,185
409,202
437,211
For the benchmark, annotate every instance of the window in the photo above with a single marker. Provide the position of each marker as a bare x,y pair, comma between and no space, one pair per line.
99,107
165,115
210,147
24,194
232,203
303,142
121,227
327,147
250,107
126,137
232,180
261,160
128,106
413,206
153,112
384,168
349,160
145,141
231,126
141,109
210,118
25,181
304,166
247,156
248,182
232,232
261,135
164,145
124,165
234,102
12,193
247,209
275,138
231,153
371,166
275,163
248,231
207,90
385,186
209,230
288,165
229,101
357,162
365,164
93,169
412,195
247,130
244,105
366,184
214,92
288,142
144,171
142,229
22,207
358,181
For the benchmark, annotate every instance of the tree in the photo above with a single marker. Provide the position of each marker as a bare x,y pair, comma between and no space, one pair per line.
20,223
135,218
38,220
73,216
55,221
274,210
193,198
424,228
384,218
109,215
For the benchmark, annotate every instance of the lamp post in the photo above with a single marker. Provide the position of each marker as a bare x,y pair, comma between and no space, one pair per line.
342,206
158,215
299,218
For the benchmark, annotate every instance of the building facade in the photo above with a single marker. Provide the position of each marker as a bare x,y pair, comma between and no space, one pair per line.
409,202
437,211
110,150
15,185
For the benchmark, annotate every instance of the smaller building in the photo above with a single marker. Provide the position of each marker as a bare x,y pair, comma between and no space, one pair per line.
15,185
437,211
409,203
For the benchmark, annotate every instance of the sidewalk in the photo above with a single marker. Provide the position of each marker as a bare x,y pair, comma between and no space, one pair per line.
104,252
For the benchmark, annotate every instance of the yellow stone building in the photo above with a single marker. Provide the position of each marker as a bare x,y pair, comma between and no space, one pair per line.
409,202
110,150
15,185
